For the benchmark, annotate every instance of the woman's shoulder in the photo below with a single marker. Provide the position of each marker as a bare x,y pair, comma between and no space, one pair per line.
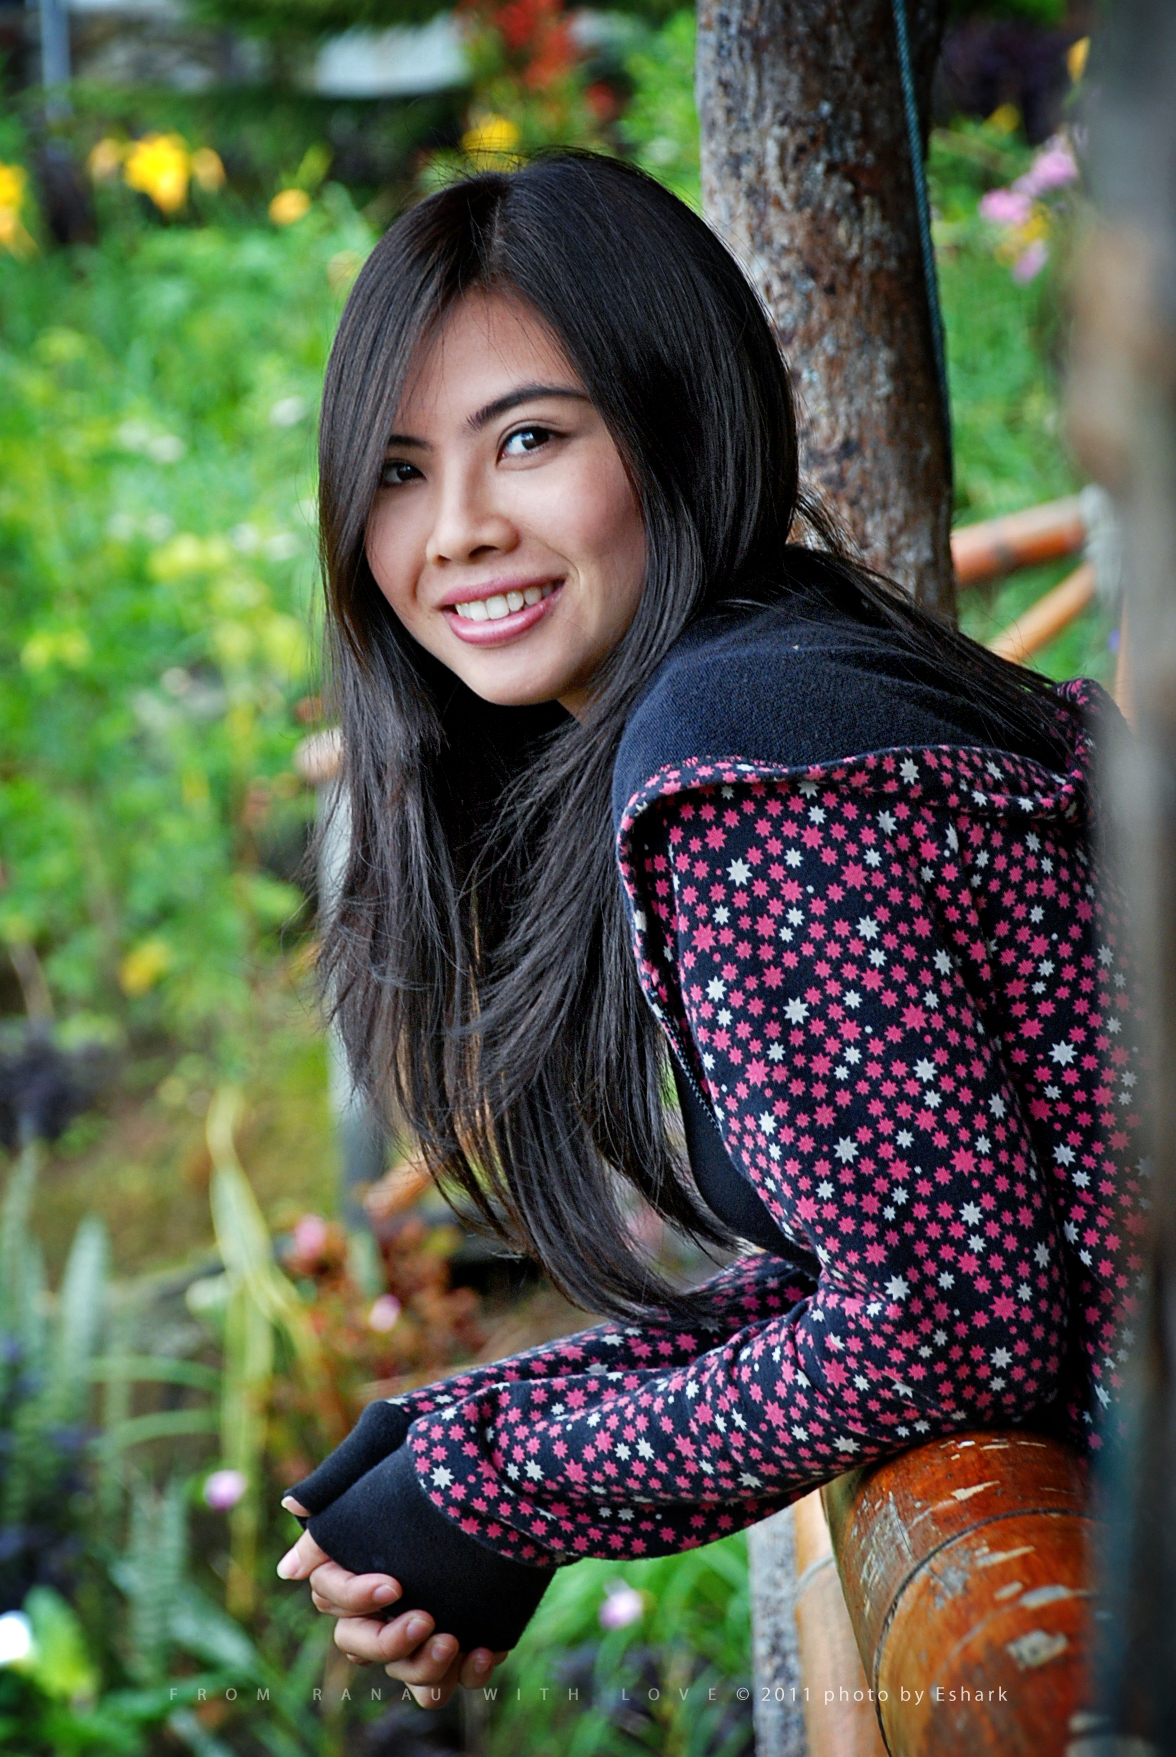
792,686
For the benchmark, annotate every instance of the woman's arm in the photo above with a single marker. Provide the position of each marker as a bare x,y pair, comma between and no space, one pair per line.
601,1352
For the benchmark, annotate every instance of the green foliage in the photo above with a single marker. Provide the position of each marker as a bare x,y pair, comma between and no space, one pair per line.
694,1636
156,515
660,125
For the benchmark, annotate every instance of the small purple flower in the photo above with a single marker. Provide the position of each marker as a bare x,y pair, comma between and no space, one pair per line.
223,1489
622,1605
1030,262
1006,207
1053,168
384,1313
309,1239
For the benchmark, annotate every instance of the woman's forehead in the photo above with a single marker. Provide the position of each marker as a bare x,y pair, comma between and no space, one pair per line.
489,344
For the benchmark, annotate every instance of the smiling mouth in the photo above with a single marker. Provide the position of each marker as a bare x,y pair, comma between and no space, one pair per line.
503,604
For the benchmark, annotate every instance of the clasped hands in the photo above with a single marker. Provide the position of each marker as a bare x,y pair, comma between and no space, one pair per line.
430,1664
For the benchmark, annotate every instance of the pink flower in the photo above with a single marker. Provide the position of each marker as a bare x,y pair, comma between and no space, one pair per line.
1006,207
223,1489
309,1239
1030,262
623,1605
1053,168
384,1313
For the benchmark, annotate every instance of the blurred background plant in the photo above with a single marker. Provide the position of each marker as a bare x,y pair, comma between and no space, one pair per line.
186,1321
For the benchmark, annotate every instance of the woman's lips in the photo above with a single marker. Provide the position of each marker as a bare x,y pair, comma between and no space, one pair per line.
503,628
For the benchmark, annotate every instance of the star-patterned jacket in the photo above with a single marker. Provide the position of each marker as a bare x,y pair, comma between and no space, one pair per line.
897,981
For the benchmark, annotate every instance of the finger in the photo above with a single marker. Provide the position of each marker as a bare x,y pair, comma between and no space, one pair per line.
300,1562
477,1666
376,1642
356,1595
436,1695
295,1507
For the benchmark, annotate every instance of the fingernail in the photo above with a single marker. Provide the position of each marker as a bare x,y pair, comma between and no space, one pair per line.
481,1664
385,1594
289,1503
417,1628
287,1566
442,1648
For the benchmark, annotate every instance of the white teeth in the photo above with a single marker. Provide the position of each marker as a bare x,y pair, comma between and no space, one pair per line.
502,604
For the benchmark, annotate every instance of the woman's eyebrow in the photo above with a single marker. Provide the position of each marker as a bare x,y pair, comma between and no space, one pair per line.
526,393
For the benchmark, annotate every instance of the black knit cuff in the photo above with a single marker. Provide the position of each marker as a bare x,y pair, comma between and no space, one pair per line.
386,1524
379,1431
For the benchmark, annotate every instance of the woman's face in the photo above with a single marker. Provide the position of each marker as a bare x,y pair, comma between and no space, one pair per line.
506,535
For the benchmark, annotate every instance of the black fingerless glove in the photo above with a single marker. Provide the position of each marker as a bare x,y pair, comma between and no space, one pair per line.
385,1523
379,1431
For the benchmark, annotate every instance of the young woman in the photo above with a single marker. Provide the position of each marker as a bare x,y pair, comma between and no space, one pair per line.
641,782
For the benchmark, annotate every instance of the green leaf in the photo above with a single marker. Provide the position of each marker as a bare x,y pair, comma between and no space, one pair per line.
200,1627
149,1369
60,1663
164,1424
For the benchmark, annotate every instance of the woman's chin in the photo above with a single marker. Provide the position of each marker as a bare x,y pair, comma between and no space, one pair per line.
511,688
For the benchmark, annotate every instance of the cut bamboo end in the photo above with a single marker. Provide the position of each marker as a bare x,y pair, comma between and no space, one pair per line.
967,1578
1047,618
995,547
840,1717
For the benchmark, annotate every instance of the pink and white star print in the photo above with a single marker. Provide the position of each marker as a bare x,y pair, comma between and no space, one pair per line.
903,988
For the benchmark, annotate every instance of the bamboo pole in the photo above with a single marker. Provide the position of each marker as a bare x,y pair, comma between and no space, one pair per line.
839,1713
996,547
965,1566
1045,619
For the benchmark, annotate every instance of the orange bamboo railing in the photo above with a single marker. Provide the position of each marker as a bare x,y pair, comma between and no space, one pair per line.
996,547
966,1566
1045,619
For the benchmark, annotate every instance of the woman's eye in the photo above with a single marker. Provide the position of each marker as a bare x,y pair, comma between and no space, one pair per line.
525,440
396,471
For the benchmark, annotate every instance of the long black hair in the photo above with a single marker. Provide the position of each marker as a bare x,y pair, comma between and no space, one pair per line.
477,957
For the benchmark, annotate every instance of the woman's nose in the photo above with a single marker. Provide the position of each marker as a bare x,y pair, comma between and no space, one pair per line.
468,524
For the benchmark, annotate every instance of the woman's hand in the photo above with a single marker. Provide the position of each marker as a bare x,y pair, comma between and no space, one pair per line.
431,1667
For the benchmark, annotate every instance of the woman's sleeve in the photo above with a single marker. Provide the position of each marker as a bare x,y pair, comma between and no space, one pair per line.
600,1355
831,1013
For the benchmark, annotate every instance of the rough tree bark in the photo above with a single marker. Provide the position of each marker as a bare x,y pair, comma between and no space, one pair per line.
1123,427
806,173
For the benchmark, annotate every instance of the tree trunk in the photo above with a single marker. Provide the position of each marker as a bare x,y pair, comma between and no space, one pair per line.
806,172
1123,427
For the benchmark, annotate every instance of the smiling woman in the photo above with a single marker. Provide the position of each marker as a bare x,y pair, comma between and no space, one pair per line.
505,511
639,781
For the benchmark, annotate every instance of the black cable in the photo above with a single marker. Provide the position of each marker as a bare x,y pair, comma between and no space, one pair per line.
923,211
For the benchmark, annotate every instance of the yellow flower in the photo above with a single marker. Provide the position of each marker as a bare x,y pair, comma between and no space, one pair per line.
12,185
106,159
143,966
208,169
159,166
289,205
1076,56
491,138
13,236
1017,239
1005,120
